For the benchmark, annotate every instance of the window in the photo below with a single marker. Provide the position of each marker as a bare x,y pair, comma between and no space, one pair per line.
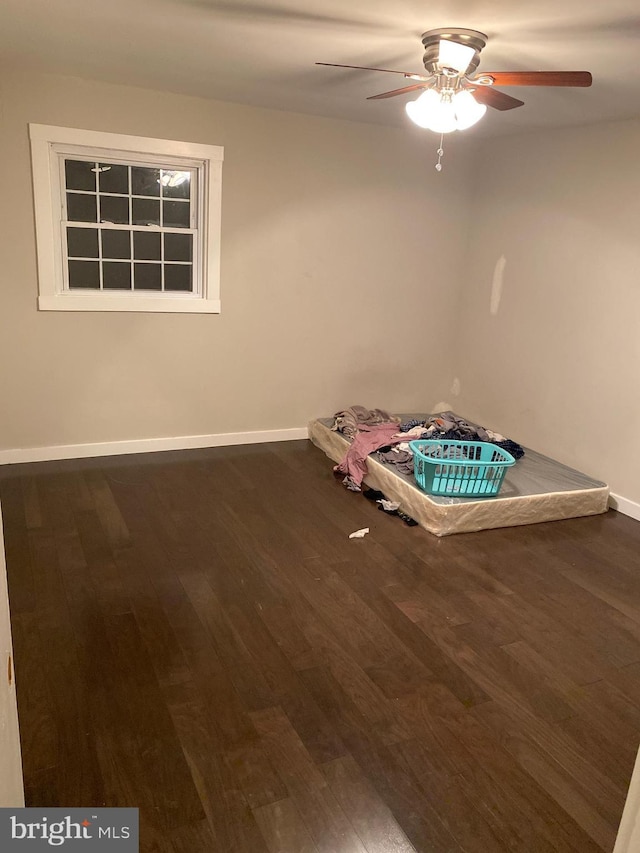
126,223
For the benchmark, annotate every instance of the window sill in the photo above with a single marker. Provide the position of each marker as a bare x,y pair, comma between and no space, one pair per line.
151,304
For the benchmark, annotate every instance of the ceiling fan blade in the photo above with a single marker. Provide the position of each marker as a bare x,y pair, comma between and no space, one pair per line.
495,98
395,92
540,78
407,74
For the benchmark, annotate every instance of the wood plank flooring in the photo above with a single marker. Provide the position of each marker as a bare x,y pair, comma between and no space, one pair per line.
196,635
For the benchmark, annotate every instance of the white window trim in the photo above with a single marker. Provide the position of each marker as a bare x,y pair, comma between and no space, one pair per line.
47,205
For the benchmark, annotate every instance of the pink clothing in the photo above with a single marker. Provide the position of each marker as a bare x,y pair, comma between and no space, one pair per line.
367,439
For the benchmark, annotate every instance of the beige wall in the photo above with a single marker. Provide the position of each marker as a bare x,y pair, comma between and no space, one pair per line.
558,366
340,264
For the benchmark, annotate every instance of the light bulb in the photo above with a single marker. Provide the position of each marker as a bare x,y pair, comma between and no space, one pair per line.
468,111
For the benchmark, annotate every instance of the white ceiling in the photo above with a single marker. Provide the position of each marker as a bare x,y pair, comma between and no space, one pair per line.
262,52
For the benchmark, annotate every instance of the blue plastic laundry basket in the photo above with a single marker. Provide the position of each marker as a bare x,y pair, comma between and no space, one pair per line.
459,468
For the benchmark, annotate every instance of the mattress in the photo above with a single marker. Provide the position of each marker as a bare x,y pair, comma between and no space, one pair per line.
535,489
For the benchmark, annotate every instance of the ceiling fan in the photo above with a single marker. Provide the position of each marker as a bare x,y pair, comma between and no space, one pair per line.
454,96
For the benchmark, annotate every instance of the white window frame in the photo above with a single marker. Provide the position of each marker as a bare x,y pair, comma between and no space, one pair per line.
50,145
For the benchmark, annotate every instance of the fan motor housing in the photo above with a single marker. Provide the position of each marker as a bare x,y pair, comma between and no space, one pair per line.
432,38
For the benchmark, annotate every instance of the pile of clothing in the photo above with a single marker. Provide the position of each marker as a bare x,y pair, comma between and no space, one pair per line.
376,431
446,425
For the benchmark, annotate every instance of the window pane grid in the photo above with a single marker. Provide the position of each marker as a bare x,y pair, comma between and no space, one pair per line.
148,274
166,197
155,200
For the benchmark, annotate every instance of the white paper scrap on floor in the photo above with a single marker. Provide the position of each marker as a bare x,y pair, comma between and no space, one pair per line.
534,490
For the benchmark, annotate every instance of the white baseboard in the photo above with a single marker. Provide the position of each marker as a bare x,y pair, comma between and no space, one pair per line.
625,506
147,445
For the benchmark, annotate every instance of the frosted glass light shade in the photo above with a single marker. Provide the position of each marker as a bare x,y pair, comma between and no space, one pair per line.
468,110
454,55
432,113
443,119
443,114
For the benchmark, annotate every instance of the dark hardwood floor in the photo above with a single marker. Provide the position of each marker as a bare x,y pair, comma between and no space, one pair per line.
195,635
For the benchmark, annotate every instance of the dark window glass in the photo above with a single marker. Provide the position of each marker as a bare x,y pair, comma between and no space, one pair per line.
116,276
176,214
113,209
145,181
147,277
116,244
82,242
146,246
177,277
81,208
113,178
176,184
146,211
84,274
178,247
79,175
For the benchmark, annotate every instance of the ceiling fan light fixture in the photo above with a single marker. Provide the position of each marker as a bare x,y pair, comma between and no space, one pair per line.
456,56
454,97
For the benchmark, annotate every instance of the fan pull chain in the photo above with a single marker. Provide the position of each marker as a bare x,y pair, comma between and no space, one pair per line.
440,152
